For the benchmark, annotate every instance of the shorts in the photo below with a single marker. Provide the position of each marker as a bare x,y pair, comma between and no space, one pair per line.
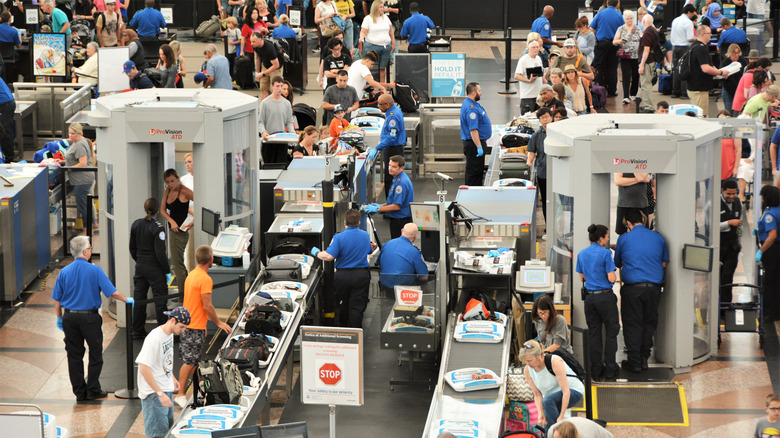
745,170
190,345
157,418
265,81
382,51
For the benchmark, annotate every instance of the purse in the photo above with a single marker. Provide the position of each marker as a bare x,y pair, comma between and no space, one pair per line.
624,53
328,26
517,389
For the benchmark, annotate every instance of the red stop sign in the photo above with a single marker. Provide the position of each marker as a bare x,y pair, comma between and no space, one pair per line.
330,374
409,296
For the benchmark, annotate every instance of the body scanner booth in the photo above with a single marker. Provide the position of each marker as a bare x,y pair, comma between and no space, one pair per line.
136,136
683,155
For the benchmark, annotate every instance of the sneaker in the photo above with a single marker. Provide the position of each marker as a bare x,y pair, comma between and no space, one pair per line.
544,237
626,101
633,98
770,42
316,49
181,401
669,67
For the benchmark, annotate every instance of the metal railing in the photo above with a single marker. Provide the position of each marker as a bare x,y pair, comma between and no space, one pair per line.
57,103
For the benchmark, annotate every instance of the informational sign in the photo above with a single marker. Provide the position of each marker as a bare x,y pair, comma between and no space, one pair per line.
49,54
408,296
331,366
167,13
448,74
110,75
31,15
295,17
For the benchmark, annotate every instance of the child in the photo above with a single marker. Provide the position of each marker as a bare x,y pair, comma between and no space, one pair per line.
233,34
770,426
337,124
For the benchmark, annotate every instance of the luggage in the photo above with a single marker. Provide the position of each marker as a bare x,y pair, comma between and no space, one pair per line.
515,140
369,111
665,84
154,75
522,417
246,359
283,270
305,114
292,245
244,72
406,97
514,169
221,382
599,94
264,320
209,28
355,138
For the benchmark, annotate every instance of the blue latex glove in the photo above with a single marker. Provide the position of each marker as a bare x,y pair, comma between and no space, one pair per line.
503,250
59,323
755,232
371,154
480,152
314,251
759,254
131,300
168,278
492,253
373,208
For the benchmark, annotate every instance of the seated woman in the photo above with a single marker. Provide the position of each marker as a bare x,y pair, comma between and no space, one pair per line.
87,73
553,392
307,143
551,329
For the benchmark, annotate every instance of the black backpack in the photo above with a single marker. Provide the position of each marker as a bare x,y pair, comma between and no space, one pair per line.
282,49
154,75
264,320
246,359
221,381
684,63
570,360
407,97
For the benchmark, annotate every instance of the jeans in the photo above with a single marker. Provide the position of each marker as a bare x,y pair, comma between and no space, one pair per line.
81,192
552,405
728,101
349,30
157,418
677,84
382,51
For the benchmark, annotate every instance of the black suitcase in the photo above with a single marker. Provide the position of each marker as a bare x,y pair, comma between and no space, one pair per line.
283,270
244,72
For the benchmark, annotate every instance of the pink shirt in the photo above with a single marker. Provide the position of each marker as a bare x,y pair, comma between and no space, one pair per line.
100,5
739,96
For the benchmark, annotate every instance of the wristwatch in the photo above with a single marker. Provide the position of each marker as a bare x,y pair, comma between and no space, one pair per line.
159,393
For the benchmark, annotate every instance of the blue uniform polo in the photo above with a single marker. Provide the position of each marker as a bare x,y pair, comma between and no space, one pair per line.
473,116
400,260
79,285
606,23
393,130
401,193
640,253
350,248
284,31
9,35
148,21
416,28
732,35
595,262
5,93
768,222
542,26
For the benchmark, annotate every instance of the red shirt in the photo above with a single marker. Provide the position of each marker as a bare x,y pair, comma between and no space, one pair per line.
728,159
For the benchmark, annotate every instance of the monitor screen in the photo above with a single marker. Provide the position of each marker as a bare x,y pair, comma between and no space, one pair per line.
697,258
227,242
241,432
210,222
535,277
425,216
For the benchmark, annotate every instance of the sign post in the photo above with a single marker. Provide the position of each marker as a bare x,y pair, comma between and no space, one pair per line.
332,368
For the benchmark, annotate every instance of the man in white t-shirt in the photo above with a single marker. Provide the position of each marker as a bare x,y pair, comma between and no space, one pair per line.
360,74
529,73
156,381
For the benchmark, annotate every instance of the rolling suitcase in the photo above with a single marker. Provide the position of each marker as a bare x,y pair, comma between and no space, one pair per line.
665,84
514,169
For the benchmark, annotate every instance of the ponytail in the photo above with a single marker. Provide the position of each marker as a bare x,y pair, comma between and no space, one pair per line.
151,206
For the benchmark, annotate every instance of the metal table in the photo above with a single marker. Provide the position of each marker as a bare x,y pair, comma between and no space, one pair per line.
25,108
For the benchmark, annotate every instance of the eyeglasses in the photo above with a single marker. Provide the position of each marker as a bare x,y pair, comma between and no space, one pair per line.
543,312
774,409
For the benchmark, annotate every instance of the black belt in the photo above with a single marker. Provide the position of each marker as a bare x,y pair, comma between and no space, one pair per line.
644,284
600,291
351,269
82,311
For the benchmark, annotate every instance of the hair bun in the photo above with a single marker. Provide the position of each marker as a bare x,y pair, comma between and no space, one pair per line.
592,228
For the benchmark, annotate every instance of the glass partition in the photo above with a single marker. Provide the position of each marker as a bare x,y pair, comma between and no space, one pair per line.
560,255
702,293
238,194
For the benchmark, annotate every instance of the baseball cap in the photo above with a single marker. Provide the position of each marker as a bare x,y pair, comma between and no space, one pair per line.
569,42
128,66
110,1
180,314
199,77
773,90
338,107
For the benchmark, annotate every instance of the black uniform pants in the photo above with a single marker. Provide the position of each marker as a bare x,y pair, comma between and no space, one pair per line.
601,312
771,262
729,257
78,328
397,225
606,61
352,295
475,166
149,275
418,48
9,130
541,185
388,152
640,319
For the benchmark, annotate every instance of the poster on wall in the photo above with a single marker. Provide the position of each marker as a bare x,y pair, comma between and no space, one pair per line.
448,74
49,54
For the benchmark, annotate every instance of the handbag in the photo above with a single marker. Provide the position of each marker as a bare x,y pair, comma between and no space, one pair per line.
517,389
328,26
624,53
339,22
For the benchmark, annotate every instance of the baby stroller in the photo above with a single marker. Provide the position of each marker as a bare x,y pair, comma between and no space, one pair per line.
81,33
305,114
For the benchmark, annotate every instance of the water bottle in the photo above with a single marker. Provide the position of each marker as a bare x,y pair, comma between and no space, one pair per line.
245,259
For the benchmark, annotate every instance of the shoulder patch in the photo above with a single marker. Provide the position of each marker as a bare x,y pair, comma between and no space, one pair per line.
473,116
769,219
398,190
162,235
392,122
546,26
471,105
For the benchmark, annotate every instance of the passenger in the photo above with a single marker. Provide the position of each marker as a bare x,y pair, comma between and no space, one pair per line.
551,328
167,67
307,143
189,182
632,193
350,249
642,254
529,84
79,154
769,253
585,429
138,81
770,425
341,93
338,124
377,35
730,231
554,392
174,208
538,159
662,107
597,273
565,430
560,114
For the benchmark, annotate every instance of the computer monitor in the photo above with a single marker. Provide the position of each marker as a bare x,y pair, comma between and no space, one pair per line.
227,242
535,277
210,222
697,258
425,216
289,430
241,432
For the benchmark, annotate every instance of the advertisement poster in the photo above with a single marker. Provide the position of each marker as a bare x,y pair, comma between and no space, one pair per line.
332,366
448,74
49,54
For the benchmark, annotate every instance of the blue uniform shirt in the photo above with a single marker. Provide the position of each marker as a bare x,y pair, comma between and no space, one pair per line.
148,21
542,26
401,193
9,35
768,222
595,262
284,31
393,130
350,248
416,28
79,285
732,35
400,260
5,93
641,253
606,23
473,116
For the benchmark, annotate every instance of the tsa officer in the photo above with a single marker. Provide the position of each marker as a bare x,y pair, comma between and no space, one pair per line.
416,28
350,249
147,247
401,263
475,130
401,194
597,273
730,226
393,136
769,253
642,255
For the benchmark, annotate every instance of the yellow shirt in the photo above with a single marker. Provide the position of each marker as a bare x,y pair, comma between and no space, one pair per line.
198,283
343,7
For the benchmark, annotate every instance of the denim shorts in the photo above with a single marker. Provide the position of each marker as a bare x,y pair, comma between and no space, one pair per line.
157,418
382,51
190,345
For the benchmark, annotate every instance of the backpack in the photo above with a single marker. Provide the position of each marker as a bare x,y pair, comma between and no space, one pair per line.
264,320
221,382
154,75
569,359
246,359
282,49
684,64
407,97
209,28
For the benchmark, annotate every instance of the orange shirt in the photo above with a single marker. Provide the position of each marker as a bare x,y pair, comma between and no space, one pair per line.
198,283
336,126
728,159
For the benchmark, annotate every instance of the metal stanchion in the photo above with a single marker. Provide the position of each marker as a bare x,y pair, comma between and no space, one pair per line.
508,63
328,282
130,392
775,41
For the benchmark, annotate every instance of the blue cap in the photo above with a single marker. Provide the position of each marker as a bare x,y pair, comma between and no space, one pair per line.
128,66
199,77
180,314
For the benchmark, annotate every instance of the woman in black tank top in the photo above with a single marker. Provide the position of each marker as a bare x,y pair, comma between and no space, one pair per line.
174,208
